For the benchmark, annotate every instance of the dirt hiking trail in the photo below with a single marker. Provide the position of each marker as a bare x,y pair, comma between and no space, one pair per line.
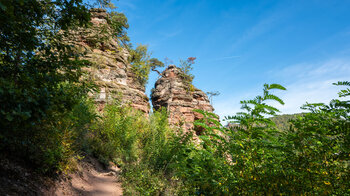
92,179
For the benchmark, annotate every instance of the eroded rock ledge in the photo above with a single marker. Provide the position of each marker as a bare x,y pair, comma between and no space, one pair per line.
110,67
171,93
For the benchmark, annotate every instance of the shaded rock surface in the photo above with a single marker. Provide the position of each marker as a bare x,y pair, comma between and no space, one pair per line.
110,68
171,93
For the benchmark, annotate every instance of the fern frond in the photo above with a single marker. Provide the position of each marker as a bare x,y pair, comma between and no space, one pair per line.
274,97
276,86
271,108
214,121
342,83
258,99
200,111
312,106
252,102
205,126
344,93
212,115
246,107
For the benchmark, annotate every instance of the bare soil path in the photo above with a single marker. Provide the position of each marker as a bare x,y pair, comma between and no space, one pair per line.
92,179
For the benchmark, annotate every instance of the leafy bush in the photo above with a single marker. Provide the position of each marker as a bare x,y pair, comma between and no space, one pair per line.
318,149
234,161
255,158
185,74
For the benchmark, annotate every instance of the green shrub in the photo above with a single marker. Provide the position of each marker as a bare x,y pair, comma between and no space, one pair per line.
59,142
318,150
255,158
54,145
144,147
115,138
40,78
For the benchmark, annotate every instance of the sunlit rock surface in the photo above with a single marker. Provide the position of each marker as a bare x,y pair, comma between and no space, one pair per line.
171,93
110,67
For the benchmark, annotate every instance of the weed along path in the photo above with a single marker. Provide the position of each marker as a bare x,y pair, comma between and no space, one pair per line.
92,179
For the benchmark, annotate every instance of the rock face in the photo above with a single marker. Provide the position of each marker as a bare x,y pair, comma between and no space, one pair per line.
171,93
110,67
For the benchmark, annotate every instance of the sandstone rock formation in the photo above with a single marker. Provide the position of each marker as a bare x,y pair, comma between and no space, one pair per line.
110,67
170,92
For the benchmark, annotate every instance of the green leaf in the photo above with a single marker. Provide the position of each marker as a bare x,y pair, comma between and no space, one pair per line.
276,86
274,97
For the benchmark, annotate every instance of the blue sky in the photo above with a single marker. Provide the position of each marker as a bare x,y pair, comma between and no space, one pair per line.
240,45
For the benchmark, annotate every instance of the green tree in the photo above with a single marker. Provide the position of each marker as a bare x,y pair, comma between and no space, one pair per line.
40,75
155,63
118,22
142,63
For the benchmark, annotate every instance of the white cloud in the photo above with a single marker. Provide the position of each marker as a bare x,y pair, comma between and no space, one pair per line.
305,82
312,82
228,105
312,92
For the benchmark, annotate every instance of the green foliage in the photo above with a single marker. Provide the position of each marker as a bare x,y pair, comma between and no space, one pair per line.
145,148
257,108
55,144
73,130
40,76
142,63
233,161
105,4
155,63
255,158
115,137
283,121
36,67
344,92
318,148
119,24
185,74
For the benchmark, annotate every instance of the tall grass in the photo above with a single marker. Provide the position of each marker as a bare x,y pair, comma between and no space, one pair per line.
144,147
